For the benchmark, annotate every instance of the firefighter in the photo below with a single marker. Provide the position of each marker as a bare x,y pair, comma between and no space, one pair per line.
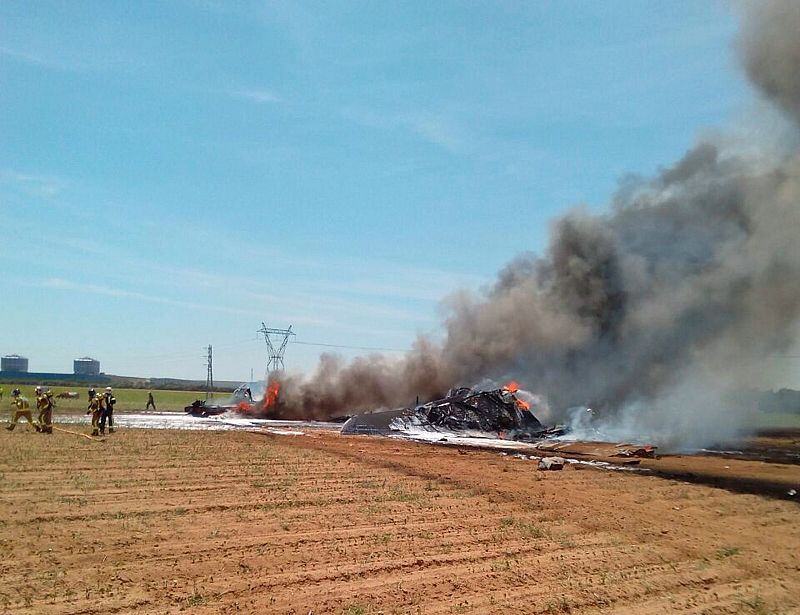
150,401
108,401
41,401
45,403
19,408
95,409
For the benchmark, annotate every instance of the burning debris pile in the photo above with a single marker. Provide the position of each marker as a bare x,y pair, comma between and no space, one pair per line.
496,412
490,411
253,399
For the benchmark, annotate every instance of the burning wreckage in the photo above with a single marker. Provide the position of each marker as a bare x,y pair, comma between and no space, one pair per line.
241,401
497,412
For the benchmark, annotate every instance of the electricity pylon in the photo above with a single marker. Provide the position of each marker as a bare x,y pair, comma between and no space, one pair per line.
209,373
275,354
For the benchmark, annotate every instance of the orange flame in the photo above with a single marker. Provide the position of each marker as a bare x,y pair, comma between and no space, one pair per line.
271,397
243,407
523,404
511,387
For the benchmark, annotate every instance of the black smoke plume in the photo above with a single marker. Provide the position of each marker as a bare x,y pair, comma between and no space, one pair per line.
653,313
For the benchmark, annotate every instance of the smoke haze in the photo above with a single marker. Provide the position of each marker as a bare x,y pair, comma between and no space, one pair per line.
653,313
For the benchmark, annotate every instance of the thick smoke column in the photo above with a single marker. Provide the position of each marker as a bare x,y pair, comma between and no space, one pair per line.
771,50
651,313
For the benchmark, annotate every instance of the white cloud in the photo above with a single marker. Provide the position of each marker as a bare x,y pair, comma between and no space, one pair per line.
259,96
22,56
43,186
439,129
69,285
61,284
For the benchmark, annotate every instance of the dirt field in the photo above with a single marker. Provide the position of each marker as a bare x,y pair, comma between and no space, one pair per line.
235,522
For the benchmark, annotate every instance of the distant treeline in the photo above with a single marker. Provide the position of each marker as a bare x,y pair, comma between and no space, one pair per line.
122,382
171,384
782,400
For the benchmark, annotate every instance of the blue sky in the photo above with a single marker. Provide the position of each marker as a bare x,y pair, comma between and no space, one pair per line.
173,173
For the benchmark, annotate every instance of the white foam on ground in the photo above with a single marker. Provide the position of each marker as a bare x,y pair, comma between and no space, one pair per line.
465,438
479,439
222,422
231,422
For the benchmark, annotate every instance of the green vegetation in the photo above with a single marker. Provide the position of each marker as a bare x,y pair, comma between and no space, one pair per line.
523,526
196,600
774,420
127,399
727,552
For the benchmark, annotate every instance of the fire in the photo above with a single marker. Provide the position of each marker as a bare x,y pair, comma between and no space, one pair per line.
512,387
243,407
271,396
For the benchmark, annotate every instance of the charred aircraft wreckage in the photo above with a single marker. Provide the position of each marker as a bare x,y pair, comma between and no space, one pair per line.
241,401
497,412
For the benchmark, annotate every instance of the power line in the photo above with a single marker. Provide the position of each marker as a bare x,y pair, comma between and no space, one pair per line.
324,345
169,357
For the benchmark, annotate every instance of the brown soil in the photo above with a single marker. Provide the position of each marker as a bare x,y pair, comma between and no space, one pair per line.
221,522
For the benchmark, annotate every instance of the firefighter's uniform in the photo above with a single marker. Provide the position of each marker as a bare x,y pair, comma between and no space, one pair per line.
45,403
95,409
19,408
108,400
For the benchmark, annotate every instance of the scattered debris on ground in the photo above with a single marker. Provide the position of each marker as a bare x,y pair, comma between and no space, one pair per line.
630,450
551,463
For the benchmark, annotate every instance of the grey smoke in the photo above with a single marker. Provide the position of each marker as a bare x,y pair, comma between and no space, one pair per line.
770,48
654,313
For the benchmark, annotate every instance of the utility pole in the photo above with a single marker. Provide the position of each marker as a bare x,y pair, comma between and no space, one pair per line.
209,373
275,354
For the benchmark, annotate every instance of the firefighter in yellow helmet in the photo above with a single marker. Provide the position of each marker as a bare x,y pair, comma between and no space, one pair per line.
45,404
95,409
19,408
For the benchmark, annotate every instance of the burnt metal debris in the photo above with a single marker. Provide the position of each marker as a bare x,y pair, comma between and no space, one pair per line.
494,411
498,412
201,408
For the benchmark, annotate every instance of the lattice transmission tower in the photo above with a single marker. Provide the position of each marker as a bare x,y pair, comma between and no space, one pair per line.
276,339
209,373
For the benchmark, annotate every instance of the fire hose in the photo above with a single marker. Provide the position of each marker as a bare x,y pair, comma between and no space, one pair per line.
77,433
